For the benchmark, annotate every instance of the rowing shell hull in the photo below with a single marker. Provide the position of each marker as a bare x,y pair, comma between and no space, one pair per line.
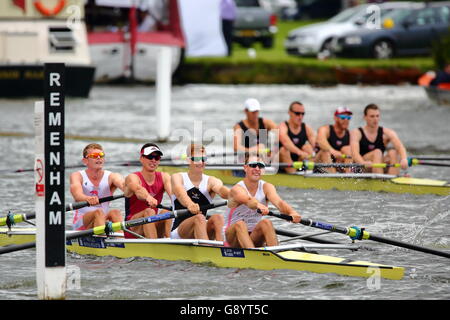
17,236
218,256
343,182
234,257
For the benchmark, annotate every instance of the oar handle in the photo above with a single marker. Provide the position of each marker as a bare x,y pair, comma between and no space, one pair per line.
82,204
280,215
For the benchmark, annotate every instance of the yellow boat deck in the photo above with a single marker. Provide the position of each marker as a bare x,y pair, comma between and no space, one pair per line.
339,181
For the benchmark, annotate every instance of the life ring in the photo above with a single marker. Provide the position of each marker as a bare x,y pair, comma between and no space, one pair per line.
49,12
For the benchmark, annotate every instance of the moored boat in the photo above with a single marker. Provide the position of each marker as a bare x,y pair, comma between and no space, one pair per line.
35,32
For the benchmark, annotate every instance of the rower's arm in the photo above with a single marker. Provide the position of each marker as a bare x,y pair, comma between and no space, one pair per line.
286,141
355,137
283,206
322,138
240,196
133,186
218,187
76,188
167,183
237,139
270,124
398,145
311,136
116,181
181,194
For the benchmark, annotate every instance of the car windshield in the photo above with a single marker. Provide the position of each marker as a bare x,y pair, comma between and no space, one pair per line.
347,14
247,3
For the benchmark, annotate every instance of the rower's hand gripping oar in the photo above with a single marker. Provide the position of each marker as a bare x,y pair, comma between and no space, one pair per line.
82,204
116,226
356,233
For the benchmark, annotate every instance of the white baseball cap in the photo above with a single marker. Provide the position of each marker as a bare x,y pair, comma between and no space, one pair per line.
252,105
150,149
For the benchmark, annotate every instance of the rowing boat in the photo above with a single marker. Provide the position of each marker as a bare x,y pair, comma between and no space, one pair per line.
328,181
292,256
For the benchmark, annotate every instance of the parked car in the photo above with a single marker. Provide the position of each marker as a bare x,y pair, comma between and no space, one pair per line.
254,24
316,38
408,32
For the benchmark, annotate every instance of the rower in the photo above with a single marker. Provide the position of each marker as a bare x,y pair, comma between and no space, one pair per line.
247,203
91,184
333,140
369,143
294,135
251,134
191,190
144,190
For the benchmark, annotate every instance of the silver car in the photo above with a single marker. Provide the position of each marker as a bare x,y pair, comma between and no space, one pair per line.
253,24
317,38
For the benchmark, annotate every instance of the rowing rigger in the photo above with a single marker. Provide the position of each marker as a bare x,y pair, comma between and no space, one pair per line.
116,226
10,219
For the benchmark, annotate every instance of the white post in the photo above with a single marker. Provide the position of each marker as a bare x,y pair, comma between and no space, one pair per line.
50,282
39,174
163,92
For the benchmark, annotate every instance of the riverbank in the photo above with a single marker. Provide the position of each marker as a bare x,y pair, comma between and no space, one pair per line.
264,72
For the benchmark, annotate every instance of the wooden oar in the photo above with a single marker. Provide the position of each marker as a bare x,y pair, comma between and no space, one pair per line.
10,219
116,226
357,233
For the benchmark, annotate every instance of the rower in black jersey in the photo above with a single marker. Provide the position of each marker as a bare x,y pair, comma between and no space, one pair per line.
371,144
333,140
251,134
192,190
294,135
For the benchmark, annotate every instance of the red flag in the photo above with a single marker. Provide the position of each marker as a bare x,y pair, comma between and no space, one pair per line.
20,4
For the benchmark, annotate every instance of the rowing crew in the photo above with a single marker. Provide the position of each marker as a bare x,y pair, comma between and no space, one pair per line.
240,226
333,143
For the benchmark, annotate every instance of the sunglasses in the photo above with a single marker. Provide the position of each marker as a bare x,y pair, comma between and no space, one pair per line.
152,156
198,159
298,113
344,117
96,155
257,164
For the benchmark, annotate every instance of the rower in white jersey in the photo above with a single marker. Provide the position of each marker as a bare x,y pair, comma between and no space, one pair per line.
191,190
91,184
247,203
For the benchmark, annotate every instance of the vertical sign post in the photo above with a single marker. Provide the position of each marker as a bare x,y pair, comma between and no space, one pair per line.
50,186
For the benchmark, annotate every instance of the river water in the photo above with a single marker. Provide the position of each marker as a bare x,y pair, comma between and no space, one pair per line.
121,118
